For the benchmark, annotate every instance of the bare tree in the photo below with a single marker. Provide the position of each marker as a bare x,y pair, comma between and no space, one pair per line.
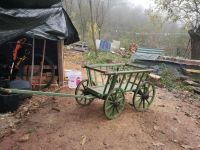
101,9
188,12
82,17
68,5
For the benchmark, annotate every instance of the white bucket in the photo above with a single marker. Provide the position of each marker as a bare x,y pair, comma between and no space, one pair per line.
74,78
66,73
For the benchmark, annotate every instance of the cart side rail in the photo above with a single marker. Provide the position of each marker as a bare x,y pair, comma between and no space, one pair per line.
103,65
128,72
105,77
126,81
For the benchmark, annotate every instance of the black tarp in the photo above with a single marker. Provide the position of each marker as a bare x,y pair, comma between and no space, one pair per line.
27,3
44,19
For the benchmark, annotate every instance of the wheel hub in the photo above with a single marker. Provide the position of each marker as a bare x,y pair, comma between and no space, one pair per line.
85,92
145,96
115,104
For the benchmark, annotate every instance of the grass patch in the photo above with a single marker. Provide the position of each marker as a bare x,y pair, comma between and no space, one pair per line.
170,81
104,58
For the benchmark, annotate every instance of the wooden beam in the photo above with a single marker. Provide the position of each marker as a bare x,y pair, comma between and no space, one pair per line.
60,49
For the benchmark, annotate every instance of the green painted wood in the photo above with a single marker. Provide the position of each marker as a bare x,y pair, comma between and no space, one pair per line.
128,72
106,86
81,90
103,65
114,104
17,91
96,90
144,96
130,76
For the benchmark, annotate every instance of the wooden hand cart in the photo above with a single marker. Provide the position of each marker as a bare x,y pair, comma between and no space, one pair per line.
109,82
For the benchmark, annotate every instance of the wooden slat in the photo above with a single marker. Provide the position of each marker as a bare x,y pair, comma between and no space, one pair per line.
134,71
100,89
60,48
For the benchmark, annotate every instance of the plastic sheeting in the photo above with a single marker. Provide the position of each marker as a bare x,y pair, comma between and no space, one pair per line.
45,23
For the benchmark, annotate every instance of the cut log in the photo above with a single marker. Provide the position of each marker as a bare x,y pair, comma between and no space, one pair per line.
192,83
154,76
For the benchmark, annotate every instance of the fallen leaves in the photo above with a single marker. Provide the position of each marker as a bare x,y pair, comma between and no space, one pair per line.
190,147
83,140
158,143
156,128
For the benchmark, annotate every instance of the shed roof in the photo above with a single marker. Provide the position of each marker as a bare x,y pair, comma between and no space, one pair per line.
36,18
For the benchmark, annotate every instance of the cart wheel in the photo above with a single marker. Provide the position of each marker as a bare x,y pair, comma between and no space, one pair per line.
81,90
144,96
114,104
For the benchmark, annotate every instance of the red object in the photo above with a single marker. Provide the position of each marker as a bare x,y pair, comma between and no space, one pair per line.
18,47
78,80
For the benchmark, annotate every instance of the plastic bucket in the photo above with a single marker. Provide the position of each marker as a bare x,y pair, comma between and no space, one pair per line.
74,78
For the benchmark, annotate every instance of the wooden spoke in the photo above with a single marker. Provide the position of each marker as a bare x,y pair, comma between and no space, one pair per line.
114,104
143,100
147,101
81,88
140,103
143,103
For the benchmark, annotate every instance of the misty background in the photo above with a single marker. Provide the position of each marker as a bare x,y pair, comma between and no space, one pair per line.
128,21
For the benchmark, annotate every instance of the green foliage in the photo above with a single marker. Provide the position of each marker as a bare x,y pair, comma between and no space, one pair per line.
125,42
169,80
103,58
146,28
181,10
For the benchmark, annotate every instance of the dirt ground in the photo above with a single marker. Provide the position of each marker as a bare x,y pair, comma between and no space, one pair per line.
172,123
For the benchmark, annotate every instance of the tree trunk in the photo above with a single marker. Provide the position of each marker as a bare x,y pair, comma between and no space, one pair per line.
92,26
99,33
195,44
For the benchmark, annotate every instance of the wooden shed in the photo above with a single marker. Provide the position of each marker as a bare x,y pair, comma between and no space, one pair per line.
47,28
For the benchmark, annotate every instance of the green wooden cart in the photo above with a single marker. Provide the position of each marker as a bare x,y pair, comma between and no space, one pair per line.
110,82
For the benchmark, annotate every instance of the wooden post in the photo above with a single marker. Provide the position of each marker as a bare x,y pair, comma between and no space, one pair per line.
60,49
33,61
42,64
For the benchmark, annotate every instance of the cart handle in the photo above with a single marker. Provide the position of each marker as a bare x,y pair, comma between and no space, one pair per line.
19,91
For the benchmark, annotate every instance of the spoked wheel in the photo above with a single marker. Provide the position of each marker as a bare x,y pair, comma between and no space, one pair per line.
81,90
114,104
144,96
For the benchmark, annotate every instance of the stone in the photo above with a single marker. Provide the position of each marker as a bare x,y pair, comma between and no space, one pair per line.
24,138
